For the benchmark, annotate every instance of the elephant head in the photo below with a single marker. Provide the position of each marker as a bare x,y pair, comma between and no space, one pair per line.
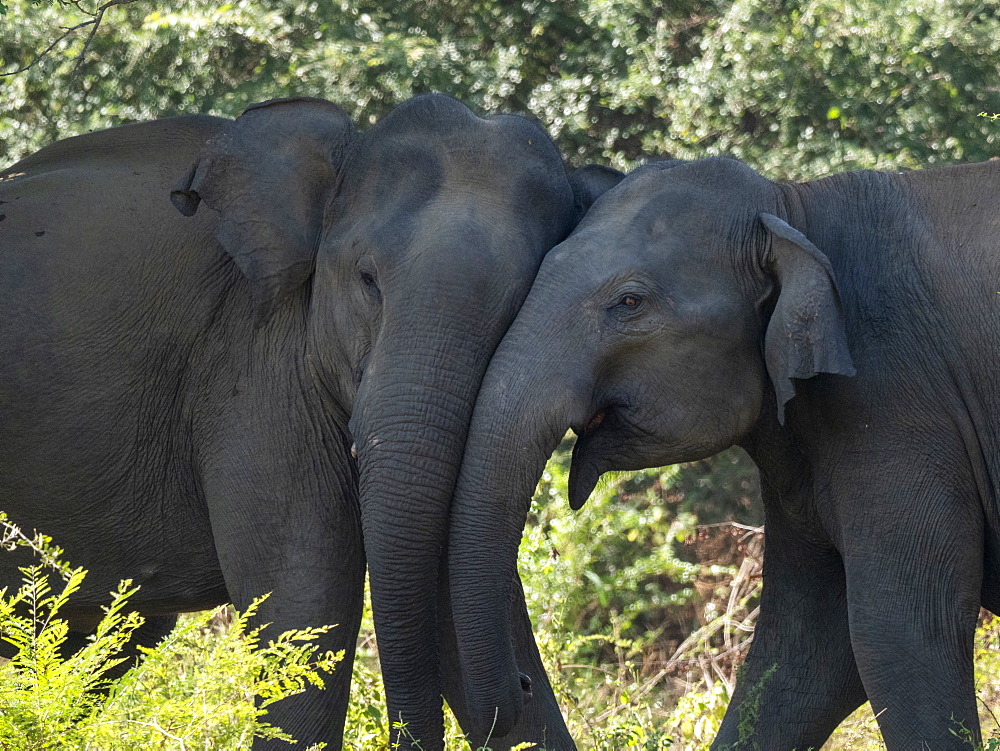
408,248
678,314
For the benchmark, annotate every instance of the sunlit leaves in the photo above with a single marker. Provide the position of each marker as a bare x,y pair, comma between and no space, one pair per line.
807,90
796,89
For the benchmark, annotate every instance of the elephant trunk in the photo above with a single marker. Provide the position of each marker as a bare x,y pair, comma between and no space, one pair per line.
519,419
409,427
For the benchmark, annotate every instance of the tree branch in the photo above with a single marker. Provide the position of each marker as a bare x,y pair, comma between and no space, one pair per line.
97,16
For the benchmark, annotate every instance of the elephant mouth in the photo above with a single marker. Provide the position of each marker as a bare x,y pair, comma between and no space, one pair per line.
526,691
325,385
595,422
608,416
598,440
358,372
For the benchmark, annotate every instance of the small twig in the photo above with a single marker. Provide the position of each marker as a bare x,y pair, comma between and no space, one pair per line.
734,525
96,17
988,709
153,725
599,668
66,32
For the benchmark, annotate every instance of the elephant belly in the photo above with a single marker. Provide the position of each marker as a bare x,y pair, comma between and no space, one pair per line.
161,543
111,480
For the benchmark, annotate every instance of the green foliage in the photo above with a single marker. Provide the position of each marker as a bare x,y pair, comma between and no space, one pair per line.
591,71
796,89
987,657
697,717
199,685
806,89
964,734
195,689
630,550
45,696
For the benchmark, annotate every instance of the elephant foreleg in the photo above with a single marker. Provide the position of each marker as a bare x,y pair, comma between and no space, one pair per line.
286,521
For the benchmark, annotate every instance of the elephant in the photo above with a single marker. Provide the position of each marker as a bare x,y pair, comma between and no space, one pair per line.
240,357
844,333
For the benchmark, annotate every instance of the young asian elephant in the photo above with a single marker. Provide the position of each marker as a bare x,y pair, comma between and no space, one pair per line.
846,333
180,398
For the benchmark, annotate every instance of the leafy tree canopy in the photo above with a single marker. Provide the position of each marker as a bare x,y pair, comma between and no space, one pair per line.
797,89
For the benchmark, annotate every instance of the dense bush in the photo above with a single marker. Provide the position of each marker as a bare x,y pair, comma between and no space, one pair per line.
196,689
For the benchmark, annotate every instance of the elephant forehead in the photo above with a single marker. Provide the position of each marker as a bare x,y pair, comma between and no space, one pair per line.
415,173
407,227
510,175
651,223
376,175
586,262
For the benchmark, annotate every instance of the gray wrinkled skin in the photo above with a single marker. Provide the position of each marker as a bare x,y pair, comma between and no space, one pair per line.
844,332
198,317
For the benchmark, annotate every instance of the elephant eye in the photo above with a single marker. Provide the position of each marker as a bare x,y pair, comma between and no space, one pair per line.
628,306
368,279
628,303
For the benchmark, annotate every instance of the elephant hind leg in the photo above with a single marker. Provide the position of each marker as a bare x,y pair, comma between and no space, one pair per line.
800,679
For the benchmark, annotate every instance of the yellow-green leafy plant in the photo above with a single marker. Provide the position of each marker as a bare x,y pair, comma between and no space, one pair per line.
199,688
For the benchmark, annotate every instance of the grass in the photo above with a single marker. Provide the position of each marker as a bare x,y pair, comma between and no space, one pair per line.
630,673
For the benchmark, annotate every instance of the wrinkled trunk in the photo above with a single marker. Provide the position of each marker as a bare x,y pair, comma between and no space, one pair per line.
519,420
409,426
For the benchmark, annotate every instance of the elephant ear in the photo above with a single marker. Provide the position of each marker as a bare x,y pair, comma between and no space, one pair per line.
589,183
806,333
269,176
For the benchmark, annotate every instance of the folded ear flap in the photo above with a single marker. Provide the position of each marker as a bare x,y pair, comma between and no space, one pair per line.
269,176
589,183
806,333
